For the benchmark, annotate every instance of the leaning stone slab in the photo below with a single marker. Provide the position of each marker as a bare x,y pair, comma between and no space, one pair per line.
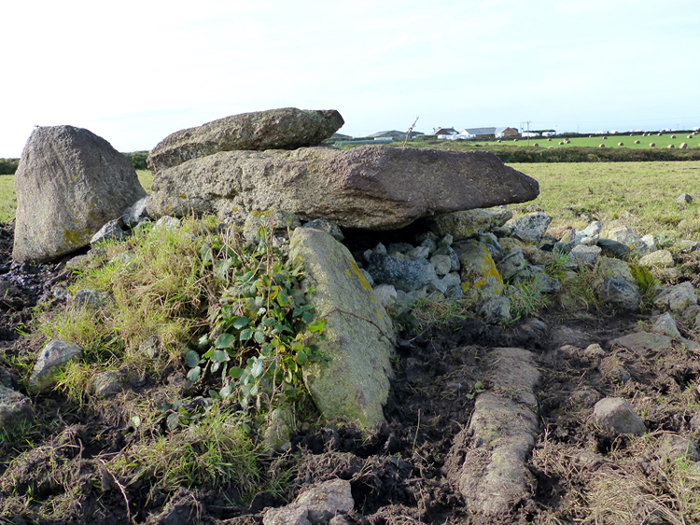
359,336
284,128
488,460
54,355
69,183
370,187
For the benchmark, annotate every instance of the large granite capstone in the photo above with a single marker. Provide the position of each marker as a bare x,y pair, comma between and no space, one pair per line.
370,187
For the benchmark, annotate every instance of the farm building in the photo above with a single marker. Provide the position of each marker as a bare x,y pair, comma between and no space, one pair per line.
393,134
489,132
445,133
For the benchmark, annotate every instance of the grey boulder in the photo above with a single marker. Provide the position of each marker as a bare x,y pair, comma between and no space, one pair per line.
69,183
284,128
370,187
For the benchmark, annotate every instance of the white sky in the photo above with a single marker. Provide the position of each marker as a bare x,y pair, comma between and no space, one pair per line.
135,71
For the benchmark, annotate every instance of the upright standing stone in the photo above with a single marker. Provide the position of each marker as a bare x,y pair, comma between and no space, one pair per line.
359,336
69,183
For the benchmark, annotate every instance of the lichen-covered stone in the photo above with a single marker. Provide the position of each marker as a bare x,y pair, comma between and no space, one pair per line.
659,258
370,187
464,224
531,227
359,336
284,128
69,183
619,292
54,355
480,277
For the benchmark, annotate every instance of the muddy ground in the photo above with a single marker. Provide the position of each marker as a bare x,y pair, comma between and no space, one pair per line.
398,473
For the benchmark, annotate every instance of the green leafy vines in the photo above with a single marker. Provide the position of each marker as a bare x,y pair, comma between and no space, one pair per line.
262,328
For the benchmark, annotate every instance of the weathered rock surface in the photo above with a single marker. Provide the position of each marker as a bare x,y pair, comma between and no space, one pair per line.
616,416
54,355
315,506
69,183
531,227
370,187
14,406
618,291
284,128
488,459
464,224
359,337
480,277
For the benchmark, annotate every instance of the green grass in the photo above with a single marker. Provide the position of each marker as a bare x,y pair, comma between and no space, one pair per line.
612,141
8,199
146,179
640,194
664,140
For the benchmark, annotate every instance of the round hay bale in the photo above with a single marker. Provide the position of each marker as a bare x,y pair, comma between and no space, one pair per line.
550,139
683,146
636,142
659,134
690,136
561,142
536,145
671,146
601,146
652,145
620,143
567,141
605,138
673,136
515,140
499,141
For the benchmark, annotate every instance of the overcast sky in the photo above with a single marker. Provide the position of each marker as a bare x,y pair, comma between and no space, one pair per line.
135,71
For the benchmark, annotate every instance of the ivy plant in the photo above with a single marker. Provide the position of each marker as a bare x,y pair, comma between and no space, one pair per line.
261,328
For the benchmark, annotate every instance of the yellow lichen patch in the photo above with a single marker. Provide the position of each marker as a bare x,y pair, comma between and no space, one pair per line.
75,238
365,284
183,195
93,216
465,286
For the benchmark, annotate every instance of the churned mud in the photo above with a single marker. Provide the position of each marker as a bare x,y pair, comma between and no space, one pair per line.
484,425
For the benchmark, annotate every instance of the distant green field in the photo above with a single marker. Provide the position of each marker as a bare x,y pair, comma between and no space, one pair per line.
612,141
594,141
640,194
